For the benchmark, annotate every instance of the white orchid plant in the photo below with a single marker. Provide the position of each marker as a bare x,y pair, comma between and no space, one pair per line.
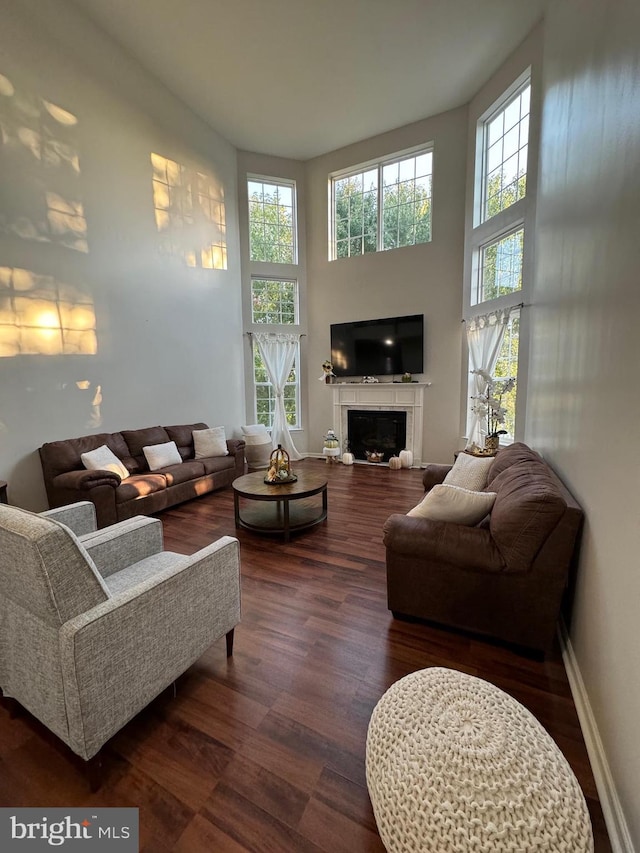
489,405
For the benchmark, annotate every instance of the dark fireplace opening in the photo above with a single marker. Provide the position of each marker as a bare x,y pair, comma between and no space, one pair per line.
381,432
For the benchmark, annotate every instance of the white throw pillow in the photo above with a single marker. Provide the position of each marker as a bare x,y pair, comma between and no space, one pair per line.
469,472
451,503
103,459
210,442
161,455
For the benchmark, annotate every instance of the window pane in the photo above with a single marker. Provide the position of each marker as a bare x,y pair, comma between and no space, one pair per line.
406,204
505,139
271,221
501,267
265,394
506,372
274,301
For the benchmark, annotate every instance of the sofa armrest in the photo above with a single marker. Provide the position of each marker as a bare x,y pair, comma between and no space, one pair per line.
80,517
120,545
434,474
235,446
121,654
442,542
83,481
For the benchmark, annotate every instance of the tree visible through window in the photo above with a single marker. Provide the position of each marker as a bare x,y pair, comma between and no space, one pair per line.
266,396
501,267
507,368
271,221
506,145
383,207
274,301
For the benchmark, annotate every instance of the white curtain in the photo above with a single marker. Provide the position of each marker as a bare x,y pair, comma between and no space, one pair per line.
278,352
485,334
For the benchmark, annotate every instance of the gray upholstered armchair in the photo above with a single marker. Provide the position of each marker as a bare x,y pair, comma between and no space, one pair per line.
94,624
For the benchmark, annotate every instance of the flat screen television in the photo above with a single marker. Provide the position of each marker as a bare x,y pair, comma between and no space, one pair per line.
386,347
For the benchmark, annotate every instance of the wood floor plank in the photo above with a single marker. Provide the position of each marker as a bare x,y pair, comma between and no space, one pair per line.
265,751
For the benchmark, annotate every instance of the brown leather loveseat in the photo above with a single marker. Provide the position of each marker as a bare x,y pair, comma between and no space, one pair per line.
504,578
143,491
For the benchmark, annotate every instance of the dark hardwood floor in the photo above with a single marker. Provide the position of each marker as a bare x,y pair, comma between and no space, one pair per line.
265,751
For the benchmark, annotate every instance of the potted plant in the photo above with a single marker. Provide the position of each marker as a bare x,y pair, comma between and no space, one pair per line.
489,406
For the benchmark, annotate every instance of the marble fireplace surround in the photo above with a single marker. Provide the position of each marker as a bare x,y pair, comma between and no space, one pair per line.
381,397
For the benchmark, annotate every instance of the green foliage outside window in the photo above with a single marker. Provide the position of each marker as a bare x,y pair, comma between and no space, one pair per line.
266,397
271,222
405,207
273,301
507,368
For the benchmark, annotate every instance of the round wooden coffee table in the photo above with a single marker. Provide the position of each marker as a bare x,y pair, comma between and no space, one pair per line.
281,508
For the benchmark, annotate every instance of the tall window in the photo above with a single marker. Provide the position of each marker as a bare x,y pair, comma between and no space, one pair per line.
507,368
265,393
506,146
498,239
274,302
383,206
272,221
274,290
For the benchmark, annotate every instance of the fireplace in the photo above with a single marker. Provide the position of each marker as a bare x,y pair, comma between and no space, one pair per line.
384,432
388,398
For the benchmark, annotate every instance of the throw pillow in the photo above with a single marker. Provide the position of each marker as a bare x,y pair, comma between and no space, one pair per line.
451,503
469,472
161,455
104,459
210,442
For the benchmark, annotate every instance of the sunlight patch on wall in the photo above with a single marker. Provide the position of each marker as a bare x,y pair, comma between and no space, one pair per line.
39,170
189,214
42,316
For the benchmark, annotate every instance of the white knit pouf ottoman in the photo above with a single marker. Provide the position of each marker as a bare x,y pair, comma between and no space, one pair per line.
455,765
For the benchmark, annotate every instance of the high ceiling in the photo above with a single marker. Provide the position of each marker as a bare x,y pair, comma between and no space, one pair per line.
298,78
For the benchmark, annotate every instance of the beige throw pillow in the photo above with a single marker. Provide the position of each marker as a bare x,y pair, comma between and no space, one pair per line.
453,504
161,455
469,472
104,459
210,442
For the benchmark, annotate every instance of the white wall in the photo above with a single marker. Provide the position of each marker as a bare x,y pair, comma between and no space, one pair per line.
169,344
424,279
584,407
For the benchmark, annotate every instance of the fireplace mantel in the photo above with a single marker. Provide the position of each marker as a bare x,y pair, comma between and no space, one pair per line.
382,396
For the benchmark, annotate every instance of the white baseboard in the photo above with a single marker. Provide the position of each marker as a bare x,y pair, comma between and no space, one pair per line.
611,808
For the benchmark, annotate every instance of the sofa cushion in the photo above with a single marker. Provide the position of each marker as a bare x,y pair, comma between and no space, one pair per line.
528,507
469,472
139,485
136,439
182,434
454,504
185,471
507,456
213,464
161,455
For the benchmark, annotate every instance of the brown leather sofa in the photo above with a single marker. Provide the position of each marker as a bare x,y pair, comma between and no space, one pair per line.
143,492
504,578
